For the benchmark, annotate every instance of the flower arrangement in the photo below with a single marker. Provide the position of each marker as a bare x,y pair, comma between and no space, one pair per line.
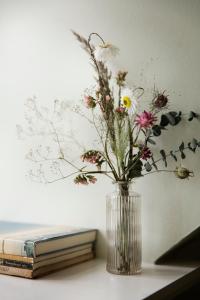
126,134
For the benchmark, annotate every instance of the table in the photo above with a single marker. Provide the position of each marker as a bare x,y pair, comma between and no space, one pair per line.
90,280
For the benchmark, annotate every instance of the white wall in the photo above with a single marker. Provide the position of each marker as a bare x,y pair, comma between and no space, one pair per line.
39,56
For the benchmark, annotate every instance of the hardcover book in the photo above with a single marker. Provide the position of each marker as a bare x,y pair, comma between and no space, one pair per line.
46,262
30,240
48,256
26,273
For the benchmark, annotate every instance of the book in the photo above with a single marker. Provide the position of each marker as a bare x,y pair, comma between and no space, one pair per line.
20,272
46,262
47,256
30,241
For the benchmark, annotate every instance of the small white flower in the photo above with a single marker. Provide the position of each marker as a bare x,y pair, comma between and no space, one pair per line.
128,100
105,52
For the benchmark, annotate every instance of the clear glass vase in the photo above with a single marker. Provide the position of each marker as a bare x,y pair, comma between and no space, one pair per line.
123,220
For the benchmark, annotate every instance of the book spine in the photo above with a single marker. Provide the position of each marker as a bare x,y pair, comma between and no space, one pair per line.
30,248
16,264
62,265
16,272
17,258
44,270
17,247
43,257
58,259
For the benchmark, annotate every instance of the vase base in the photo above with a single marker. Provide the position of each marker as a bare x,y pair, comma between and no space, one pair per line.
123,272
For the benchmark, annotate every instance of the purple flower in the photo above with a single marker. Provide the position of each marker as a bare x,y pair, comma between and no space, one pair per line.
146,153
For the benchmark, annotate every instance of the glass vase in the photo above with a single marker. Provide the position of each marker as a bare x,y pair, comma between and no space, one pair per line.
123,220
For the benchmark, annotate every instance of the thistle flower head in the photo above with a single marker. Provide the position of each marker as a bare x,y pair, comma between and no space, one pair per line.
160,101
145,119
183,173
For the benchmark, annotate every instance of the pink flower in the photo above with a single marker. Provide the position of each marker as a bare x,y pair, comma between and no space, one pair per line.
107,98
92,179
146,153
145,119
85,179
92,157
81,179
89,102
120,110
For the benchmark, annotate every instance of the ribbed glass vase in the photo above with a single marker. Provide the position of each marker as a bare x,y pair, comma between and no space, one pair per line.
123,220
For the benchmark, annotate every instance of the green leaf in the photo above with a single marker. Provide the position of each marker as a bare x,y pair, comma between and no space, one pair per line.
181,148
173,155
148,167
193,145
164,121
193,115
156,130
150,141
183,155
163,154
135,168
171,119
154,163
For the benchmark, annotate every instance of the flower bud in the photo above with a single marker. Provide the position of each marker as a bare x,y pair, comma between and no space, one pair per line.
160,101
121,77
183,173
89,102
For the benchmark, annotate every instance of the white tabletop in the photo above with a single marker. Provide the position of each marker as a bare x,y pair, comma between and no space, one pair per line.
90,280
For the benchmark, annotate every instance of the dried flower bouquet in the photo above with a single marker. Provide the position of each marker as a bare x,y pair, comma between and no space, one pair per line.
126,134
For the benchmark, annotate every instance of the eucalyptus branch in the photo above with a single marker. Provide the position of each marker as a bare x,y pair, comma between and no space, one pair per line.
167,155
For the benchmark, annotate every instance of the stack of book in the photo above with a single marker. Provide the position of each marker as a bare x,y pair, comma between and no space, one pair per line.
31,251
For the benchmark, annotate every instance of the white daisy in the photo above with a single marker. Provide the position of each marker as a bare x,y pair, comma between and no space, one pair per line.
128,100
